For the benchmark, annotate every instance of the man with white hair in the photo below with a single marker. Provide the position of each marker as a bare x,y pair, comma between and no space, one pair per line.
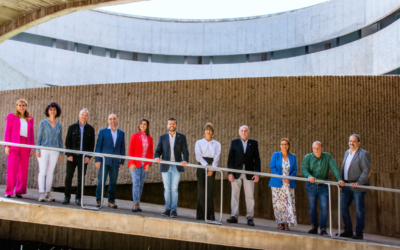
315,166
243,155
80,136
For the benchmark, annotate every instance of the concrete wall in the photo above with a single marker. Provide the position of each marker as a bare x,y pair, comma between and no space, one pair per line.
220,37
303,109
373,55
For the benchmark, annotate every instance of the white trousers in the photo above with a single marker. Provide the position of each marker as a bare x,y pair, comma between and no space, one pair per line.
248,186
47,164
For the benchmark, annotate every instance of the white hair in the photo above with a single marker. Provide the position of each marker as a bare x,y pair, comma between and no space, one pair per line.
320,143
113,115
245,127
84,110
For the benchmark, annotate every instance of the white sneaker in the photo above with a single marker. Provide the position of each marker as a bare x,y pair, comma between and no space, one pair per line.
49,197
42,197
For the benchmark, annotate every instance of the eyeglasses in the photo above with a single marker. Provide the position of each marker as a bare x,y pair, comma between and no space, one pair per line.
21,105
284,144
208,130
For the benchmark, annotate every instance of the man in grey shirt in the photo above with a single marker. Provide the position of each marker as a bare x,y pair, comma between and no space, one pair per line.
356,168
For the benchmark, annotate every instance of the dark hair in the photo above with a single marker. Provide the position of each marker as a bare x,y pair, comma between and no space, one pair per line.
358,137
172,119
148,126
53,105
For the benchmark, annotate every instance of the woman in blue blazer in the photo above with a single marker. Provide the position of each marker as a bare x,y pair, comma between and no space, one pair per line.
284,163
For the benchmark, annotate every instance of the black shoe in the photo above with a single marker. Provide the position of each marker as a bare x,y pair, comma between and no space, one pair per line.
18,196
314,230
98,203
199,218
65,201
250,222
112,205
231,220
345,234
166,213
78,202
358,236
8,196
323,232
174,214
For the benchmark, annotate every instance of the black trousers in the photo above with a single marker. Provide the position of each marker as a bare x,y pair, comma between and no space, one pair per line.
71,165
201,186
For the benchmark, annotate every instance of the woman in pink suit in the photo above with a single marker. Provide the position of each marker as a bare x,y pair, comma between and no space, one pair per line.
19,129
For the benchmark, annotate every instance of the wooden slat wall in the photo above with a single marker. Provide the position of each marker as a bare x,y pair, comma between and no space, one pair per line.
304,109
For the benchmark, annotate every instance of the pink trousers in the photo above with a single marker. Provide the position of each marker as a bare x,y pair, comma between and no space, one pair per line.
17,169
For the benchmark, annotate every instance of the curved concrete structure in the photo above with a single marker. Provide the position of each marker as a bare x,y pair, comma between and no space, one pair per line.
17,16
227,37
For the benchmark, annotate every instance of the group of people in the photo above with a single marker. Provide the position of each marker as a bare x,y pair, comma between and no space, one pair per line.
172,146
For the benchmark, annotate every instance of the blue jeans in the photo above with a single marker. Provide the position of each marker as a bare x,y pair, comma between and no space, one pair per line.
346,198
319,192
138,177
112,171
171,181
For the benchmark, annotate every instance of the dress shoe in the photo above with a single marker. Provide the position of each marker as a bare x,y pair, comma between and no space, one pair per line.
323,232
250,222
138,207
231,220
78,202
166,213
174,214
345,234
135,207
98,203
314,230
358,236
65,201
18,196
8,196
112,205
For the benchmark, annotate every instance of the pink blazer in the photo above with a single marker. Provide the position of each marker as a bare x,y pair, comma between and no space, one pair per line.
12,133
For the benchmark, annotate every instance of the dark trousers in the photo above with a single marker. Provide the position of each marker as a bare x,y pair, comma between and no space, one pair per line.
201,186
347,196
71,165
112,171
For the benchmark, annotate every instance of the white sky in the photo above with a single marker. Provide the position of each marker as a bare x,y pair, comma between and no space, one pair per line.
209,9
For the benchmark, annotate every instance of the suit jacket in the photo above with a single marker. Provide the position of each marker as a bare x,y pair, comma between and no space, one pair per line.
359,170
105,144
136,149
237,157
180,148
73,139
276,168
12,131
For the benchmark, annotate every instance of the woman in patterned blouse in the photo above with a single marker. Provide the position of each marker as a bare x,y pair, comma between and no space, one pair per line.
141,145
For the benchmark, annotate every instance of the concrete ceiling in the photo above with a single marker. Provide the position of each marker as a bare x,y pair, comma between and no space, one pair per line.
19,15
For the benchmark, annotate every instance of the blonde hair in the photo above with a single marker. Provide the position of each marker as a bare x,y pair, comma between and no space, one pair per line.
288,142
210,126
26,114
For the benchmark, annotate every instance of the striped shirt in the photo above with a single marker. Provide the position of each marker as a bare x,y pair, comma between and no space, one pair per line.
48,136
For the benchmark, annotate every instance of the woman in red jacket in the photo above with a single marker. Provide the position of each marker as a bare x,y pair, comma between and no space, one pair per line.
141,145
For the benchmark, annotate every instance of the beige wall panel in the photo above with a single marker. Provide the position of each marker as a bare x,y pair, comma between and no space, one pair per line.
304,109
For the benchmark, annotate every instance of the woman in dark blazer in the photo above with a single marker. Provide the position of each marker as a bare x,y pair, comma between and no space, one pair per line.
284,163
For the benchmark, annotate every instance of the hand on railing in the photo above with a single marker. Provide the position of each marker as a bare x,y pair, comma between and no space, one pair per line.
311,179
158,160
285,180
184,163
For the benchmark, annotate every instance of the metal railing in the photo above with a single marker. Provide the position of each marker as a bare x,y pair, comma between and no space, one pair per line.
219,169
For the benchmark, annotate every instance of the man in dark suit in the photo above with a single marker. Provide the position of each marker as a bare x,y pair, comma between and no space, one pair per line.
111,140
171,146
356,168
243,155
80,136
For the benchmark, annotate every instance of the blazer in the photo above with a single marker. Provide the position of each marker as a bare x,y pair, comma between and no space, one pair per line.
237,158
359,170
180,148
276,168
105,144
136,149
73,139
12,131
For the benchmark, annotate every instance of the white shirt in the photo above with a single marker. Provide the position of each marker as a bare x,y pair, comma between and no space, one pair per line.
24,127
244,144
114,134
209,149
171,145
347,164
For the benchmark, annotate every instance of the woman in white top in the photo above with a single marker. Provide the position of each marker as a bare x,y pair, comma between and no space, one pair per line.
207,153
